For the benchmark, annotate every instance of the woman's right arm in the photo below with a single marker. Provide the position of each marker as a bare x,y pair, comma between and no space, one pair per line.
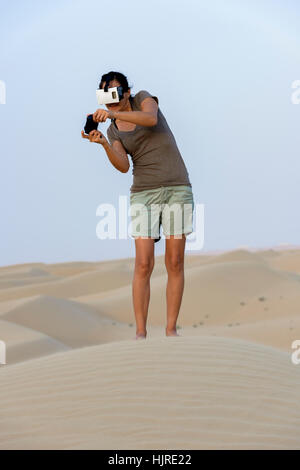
116,153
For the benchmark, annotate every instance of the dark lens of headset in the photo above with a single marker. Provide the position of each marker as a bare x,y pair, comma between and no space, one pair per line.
120,92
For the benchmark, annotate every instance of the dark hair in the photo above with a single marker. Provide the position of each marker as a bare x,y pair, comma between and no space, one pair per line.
107,77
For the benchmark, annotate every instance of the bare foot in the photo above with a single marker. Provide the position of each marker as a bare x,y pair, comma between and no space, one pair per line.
172,333
140,336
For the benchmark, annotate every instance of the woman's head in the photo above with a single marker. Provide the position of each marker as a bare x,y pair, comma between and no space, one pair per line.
112,79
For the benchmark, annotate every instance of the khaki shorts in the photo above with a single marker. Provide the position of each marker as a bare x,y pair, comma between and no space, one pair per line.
169,206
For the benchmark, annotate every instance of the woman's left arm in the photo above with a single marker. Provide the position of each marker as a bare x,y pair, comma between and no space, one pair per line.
146,117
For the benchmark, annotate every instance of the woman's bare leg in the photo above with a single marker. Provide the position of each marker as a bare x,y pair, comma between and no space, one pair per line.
144,264
174,261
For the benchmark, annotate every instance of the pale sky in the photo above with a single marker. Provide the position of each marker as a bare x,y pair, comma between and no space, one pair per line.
223,73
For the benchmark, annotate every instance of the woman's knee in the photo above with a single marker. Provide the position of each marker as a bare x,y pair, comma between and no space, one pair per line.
174,263
144,267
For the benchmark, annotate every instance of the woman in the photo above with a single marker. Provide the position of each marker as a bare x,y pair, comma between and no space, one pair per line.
160,181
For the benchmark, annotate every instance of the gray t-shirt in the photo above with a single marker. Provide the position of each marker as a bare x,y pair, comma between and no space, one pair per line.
155,156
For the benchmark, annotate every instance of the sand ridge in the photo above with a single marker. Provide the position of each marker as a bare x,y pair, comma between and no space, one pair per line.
165,393
75,378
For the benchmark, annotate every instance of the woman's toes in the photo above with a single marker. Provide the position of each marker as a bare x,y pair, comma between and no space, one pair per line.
140,336
172,333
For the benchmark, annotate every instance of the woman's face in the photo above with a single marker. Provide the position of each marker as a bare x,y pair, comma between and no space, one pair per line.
123,103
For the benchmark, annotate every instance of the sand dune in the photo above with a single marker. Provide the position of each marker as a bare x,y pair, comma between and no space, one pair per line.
287,262
21,276
167,393
11,283
78,284
277,332
24,343
236,255
268,254
83,283
24,267
75,378
71,323
218,287
23,272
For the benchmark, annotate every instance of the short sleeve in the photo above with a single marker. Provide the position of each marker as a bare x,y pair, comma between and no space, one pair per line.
112,136
141,95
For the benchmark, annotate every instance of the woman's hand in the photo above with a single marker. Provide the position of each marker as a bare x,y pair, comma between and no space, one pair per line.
95,136
101,115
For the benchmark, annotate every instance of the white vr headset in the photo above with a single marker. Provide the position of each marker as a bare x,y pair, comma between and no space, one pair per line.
112,95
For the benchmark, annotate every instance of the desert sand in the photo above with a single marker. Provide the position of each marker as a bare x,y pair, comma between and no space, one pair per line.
75,378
